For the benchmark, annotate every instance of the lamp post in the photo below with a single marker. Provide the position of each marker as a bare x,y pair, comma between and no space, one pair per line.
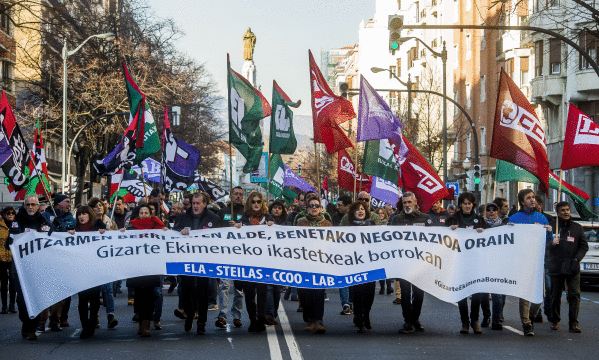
65,56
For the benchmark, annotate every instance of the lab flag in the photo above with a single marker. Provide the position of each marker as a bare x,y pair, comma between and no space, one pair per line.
328,111
282,136
518,135
581,144
179,159
247,106
376,120
381,159
140,140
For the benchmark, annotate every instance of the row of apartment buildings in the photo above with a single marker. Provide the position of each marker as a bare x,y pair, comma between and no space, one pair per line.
549,72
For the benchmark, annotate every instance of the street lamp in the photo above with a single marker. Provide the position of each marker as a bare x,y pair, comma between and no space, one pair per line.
408,85
65,55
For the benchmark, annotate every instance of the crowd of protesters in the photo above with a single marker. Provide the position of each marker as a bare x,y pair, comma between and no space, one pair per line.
198,295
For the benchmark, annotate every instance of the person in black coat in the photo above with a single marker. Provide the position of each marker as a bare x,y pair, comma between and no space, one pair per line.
255,213
89,299
194,289
228,219
411,295
563,265
437,214
466,218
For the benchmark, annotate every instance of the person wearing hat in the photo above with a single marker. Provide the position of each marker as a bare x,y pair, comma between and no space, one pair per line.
61,220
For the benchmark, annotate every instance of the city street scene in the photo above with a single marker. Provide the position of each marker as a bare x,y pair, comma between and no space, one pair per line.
299,180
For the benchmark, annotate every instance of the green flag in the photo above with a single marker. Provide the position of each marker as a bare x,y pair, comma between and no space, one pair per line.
506,171
380,160
247,106
282,137
277,175
289,195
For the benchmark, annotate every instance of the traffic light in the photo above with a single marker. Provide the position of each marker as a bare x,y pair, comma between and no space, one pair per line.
299,169
343,89
477,173
395,25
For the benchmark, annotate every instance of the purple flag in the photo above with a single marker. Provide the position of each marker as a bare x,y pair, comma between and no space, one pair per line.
376,120
179,158
384,190
292,179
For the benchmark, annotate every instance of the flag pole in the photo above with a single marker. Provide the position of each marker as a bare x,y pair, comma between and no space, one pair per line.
488,184
355,170
268,178
231,176
116,193
559,197
317,170
143,180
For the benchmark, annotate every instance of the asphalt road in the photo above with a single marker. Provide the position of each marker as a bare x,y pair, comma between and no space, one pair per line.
289,341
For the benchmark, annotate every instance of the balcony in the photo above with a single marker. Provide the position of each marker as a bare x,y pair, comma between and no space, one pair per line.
547,88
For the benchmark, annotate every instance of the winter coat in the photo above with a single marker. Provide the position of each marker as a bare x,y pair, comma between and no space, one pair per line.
205,220
438,219
564,258
458,219
415,218
303,221
225,214
5,255
245,220
33,222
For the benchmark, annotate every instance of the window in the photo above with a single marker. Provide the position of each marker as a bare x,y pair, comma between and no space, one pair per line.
456,110
399,67
483,88
555,55
468,5
456,11
5,18
509,65
392,71
483,139
469,145
483,40
523,71
6,80
417,11
589,43
456,144
539,58
468,96
468,47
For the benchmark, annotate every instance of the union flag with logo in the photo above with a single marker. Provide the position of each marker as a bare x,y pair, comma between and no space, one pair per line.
518,135
328,111
346,172
581,144
421,178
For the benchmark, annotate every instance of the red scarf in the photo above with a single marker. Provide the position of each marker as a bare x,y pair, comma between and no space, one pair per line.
86,227
256,217
147,223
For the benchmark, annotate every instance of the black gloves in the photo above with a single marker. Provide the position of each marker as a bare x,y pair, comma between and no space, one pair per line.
8,242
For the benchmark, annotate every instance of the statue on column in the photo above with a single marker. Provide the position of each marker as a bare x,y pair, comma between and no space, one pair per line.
249,42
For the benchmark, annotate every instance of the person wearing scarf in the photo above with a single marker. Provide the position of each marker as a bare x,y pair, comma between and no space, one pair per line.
359,215
466,218
85,221
273,295
7,269
255,213
144,286
492,220
312,300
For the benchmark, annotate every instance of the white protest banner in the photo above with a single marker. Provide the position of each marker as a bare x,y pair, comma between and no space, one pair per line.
449,265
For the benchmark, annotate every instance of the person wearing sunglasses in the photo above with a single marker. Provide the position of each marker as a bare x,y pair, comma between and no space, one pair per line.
255,213
312,300
7,269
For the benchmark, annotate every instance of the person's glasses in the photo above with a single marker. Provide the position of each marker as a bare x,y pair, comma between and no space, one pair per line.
10,213
256,201
364,199
31,205
314,206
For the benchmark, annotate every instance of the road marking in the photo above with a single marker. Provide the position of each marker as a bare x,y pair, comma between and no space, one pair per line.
75,333
273,343
294,350
231,342
513,330
167,339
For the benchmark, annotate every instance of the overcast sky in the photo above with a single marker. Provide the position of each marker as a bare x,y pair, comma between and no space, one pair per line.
284,29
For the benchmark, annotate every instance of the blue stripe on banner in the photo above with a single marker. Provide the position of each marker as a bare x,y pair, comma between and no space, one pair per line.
273,276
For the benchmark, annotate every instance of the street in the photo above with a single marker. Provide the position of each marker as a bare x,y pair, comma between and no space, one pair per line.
289,341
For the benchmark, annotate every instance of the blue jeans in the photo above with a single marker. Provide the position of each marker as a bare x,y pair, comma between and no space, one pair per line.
344,295
158,299
498,304
223,300
108,298
273,298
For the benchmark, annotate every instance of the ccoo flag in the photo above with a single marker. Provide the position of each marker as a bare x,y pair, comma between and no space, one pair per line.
328,111
282,137
346,173
247,106
581,143
518,136
375,118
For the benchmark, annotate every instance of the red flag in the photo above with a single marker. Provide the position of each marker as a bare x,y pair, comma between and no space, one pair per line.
346,173
518,136
421,178
581,143
328,111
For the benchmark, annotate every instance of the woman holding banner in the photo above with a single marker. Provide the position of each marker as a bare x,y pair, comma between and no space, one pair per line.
86,220
255,213
273,294
313,299
144,285
8,225
359,215
466,218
